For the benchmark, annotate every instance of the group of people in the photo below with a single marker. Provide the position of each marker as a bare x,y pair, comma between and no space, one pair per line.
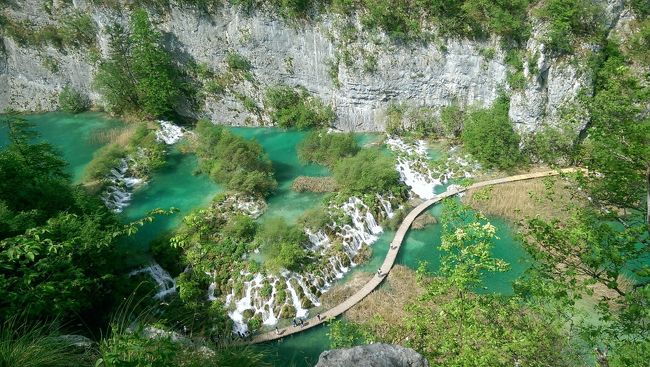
244,335
298,321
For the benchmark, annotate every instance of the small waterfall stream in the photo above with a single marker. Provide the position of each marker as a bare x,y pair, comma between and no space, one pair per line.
166,284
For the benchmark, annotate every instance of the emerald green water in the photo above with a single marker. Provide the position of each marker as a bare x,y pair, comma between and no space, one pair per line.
175,185
71,135
280,145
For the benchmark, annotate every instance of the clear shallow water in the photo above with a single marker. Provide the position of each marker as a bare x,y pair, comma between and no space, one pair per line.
71,135
174,185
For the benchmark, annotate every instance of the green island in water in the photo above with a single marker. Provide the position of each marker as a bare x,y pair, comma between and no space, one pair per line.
324,183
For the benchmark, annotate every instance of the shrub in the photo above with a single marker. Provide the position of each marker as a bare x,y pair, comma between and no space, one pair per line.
394,115
72,101
168,256
240,164
327,149
488,135
78,30
452,119
568,20
236,61
368,171
296,108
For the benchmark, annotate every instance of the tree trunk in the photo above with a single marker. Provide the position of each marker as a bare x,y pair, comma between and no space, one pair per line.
601,357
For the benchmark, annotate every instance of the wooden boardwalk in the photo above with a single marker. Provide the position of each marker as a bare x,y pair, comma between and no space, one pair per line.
389,261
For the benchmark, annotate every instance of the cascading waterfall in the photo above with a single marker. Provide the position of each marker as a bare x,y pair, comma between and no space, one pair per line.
169,133
166,284
118,193
413,168
307,287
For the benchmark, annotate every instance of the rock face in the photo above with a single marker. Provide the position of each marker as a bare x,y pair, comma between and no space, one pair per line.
372,355
433,75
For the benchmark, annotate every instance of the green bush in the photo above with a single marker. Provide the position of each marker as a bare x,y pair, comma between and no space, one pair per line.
490,138
79,30
240,164
296,108
72,101
103,161
168,256
569,20
236,61
368,171
452,119
327,149
394,115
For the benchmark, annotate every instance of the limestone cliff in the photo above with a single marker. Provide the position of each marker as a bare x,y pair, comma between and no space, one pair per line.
432,75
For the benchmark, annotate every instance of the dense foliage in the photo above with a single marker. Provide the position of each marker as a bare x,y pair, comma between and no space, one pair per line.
489,136
58,254
569,20
72,101
296,108
327,148
239,164
139,75
368,171
454,326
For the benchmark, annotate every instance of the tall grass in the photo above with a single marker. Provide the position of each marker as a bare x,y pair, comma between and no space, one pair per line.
38,344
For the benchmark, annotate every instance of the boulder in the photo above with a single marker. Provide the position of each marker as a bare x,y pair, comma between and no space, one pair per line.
372,355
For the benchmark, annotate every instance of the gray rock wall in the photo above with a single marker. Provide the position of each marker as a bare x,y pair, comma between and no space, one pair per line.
429,75
372,355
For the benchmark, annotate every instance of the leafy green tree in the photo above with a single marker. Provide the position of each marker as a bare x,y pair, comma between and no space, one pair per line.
569,20
238,163
327,149
296,108
489,136
33,183
368,171
619,158
139,74
115,78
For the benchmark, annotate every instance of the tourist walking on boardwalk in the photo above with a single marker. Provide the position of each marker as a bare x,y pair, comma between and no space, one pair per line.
318,316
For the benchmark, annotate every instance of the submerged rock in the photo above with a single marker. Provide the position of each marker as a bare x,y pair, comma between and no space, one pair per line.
373,355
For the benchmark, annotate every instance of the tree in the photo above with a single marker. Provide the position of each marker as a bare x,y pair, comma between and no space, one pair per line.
368,171
296,108
327,148
619,159
72,101
139,75
488,135
157,83
33,183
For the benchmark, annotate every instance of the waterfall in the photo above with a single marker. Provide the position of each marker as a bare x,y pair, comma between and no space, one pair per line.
166,284
300,312
169,133
413,168
361,232
118,193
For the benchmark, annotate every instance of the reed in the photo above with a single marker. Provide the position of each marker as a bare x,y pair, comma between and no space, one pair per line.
516,201
119,135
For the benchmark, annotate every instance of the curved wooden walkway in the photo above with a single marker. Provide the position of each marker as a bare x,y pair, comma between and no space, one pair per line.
389,261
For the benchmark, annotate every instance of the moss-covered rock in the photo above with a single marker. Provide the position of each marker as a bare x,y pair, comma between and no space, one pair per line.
305,302
248,313
287,312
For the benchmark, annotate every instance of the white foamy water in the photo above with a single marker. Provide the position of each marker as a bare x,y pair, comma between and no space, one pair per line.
359,230
166,284
413,168
169,133
118,193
